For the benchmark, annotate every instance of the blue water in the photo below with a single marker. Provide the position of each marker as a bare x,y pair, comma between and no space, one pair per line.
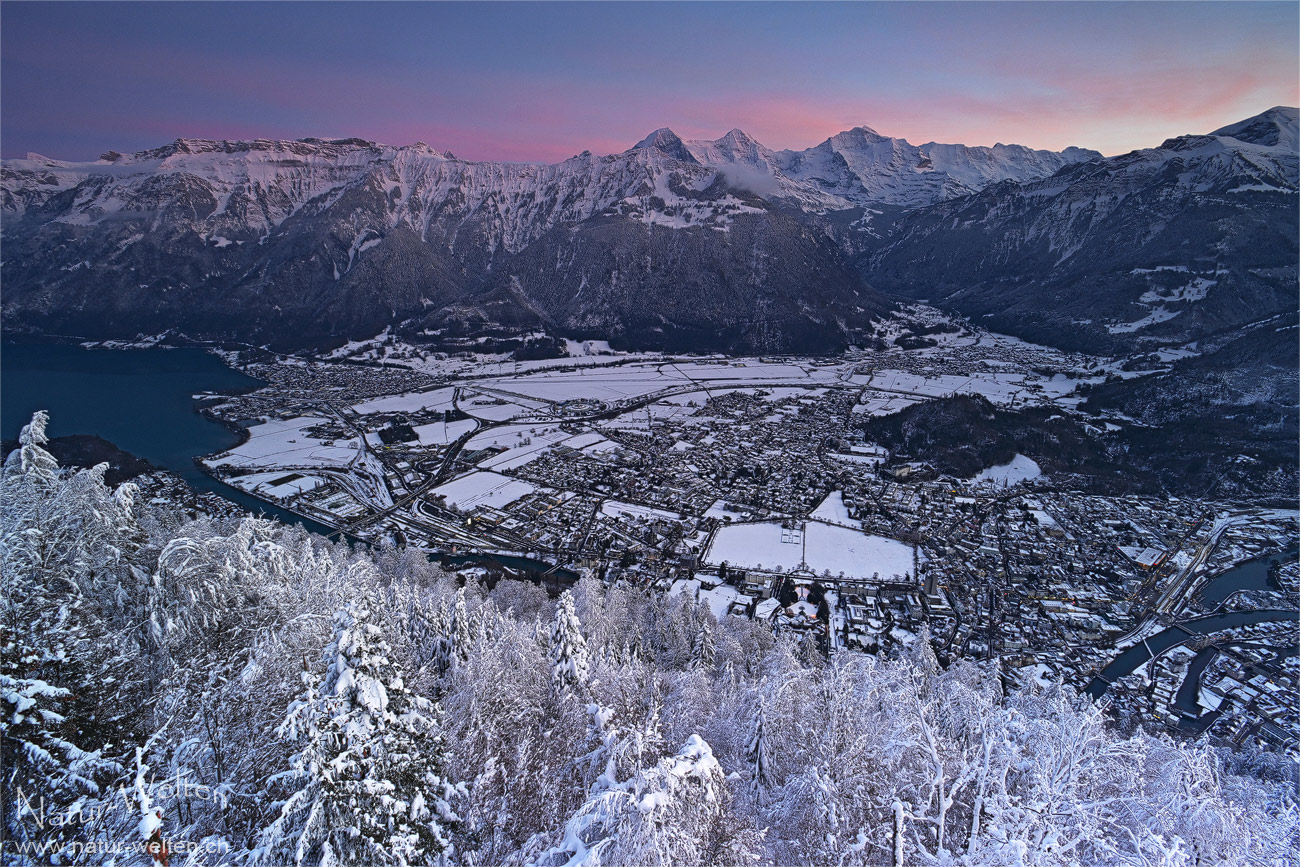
1128,661
1251,575
141,401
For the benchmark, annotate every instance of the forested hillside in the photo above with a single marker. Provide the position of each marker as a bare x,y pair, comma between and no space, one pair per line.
245,693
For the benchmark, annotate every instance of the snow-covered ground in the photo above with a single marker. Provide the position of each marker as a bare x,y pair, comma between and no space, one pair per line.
1020,469
585,440
999,387
584,348
494,407
833,511
1160,314
511,435
718,598
716,511
513,459
438,400
281,443
878,403
616,509
277,485
525,443
440,433
483,489
1196,290
821,547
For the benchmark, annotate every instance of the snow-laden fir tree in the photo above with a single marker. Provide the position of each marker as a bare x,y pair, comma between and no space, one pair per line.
672,814
38,465
420,622
460,635
59,552
705,647
440,621
370,783
760,779
568,648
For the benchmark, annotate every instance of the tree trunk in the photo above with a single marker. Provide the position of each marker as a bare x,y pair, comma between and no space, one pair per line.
898,834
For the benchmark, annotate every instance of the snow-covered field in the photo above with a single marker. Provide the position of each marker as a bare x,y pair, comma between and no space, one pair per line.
584,441
821,547
998,387
483,489
879,403
833,511
1020,469
281,443
495,407
525,443
440,433
438,400
511,435
1160,314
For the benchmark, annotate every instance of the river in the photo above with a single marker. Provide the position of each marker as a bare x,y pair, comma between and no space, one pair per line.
1250,575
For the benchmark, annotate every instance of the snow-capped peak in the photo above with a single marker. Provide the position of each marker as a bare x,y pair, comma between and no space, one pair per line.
737,137
1278,127
736,146
862,133
667,142
864,167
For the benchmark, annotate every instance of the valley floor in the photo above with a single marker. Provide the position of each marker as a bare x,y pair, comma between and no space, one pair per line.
750,483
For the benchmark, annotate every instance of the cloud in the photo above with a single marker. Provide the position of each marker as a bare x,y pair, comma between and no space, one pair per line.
751,179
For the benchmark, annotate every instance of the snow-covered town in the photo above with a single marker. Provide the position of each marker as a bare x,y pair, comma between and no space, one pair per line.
564,434
749,485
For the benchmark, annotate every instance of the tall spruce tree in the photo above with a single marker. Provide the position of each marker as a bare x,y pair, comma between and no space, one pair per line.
760,779
371,788
569,657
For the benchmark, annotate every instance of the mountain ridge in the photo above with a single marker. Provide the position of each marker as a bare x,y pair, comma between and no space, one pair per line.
1158,245
656,245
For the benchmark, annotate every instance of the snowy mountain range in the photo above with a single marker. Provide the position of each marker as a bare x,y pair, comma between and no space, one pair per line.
1163,244
719,244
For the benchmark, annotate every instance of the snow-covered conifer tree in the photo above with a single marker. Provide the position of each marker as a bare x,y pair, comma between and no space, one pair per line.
673,813
705,647
372,789
460,635
756,754
568,648
39,467
53,544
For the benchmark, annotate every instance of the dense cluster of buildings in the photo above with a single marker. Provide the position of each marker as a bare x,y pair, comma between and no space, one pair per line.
1050,582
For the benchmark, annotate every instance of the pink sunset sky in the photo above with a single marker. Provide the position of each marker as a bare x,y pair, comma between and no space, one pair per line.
543,81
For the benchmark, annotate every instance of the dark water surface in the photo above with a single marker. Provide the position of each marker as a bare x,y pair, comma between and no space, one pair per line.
1251,575
140,400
